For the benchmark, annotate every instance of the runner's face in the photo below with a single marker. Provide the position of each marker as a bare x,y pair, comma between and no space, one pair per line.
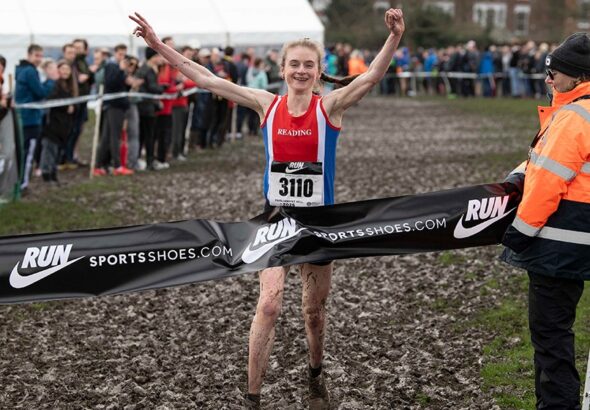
301,70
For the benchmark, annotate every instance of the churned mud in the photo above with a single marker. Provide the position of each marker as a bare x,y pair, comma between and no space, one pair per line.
402,330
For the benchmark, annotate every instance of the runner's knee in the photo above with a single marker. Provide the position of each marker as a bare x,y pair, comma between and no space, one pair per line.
314,316
269,309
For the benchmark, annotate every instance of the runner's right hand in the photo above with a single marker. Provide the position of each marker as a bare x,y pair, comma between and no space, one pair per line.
144,30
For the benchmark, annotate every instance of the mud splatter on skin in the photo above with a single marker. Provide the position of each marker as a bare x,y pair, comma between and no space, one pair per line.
389,343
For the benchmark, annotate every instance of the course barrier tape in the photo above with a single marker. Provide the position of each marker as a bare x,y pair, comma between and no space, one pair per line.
460,75
118,260
273,86
60,102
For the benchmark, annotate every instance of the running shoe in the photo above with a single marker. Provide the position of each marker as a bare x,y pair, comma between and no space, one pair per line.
319,398
122,171
141,165
158,166
250,404
99,172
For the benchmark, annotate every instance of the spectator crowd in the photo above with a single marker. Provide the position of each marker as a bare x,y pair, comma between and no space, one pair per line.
139,133
516,70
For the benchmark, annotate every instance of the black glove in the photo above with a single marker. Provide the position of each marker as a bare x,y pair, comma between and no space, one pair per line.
516,240
514,186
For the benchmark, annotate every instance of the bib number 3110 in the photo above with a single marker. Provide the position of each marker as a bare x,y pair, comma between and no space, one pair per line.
296,187
296,184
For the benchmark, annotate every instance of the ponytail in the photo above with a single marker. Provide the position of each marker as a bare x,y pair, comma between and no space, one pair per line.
344,81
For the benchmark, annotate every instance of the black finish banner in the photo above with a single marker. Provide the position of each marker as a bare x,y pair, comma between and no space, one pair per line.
110,261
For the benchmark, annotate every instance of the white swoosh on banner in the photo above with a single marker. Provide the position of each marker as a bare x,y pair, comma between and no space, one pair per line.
19,281
250,256
461,232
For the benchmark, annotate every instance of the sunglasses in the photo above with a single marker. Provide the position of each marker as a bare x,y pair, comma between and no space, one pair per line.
550,73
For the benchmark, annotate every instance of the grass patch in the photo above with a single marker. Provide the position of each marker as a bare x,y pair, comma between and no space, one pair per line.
448,258
498,107
508,369
445,304
423,399
508,360
60,210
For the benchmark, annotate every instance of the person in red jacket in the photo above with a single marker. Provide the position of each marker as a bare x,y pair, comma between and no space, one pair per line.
167,77
180,111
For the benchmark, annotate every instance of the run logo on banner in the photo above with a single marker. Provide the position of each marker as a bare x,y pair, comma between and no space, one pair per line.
484,212
53,257
268,236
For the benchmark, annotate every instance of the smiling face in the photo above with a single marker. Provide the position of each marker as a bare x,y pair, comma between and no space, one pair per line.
301,68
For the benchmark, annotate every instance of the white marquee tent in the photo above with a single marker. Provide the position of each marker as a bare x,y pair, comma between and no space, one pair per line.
104,23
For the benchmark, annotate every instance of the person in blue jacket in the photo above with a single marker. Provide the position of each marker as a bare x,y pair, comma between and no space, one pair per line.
29,88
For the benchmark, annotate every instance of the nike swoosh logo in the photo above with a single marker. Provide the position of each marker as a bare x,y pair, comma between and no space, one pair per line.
250,256
290,171
461,232
19,281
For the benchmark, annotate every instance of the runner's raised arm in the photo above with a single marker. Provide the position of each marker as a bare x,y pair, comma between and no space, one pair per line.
339,100
258,100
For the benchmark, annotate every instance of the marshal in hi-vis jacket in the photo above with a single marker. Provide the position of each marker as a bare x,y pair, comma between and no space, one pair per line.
550,234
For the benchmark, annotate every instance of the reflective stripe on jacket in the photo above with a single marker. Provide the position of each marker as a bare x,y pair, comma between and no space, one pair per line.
551,230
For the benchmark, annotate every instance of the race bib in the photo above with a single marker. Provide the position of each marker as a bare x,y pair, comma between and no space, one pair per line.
299,184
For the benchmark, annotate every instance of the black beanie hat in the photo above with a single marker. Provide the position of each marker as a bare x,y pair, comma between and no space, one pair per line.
149,53
572,57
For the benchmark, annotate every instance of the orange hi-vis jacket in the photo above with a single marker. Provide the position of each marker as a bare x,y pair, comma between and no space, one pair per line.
551,230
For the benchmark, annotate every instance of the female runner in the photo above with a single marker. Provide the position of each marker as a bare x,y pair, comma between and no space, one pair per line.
300,134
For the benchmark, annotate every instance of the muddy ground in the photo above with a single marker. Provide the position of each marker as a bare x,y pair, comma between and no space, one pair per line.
402,330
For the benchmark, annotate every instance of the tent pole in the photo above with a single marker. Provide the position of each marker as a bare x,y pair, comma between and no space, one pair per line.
586,396
98,111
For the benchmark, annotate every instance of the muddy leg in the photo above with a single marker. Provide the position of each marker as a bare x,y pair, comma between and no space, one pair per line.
262,331
316,287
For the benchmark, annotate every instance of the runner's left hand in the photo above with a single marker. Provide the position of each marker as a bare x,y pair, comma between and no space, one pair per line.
394,20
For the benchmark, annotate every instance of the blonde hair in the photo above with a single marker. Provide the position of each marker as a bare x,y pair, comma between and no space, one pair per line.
47,62
304,42
317,47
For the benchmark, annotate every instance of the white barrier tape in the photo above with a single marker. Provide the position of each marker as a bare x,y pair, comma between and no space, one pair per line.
60,102
474,76
273,86
107,97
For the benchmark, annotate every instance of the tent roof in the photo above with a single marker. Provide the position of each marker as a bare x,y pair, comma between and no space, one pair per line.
204,22
104,23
